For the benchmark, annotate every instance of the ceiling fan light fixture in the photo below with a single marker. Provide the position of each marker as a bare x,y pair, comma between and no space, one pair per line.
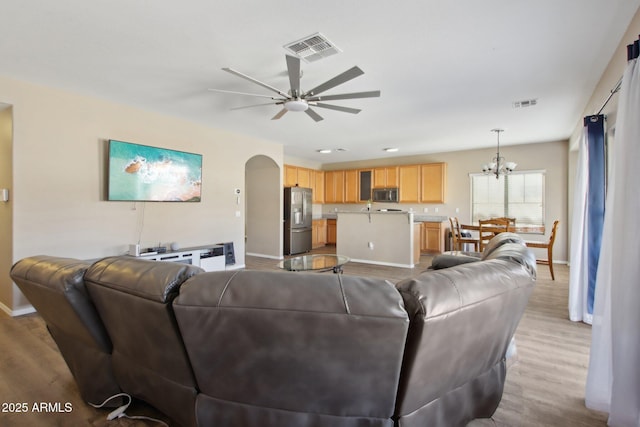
296,105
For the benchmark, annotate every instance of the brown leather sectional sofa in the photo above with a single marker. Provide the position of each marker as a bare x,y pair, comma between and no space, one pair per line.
271,348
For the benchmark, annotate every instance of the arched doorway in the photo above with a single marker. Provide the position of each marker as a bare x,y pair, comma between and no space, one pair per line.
263,226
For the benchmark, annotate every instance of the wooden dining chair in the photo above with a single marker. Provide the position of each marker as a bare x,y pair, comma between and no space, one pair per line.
458,239
489,228
548,246
503,219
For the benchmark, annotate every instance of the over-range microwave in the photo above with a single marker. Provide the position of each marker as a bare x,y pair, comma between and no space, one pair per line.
385,195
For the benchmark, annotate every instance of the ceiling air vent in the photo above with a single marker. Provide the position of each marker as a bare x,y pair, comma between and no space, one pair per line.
312,48
525,103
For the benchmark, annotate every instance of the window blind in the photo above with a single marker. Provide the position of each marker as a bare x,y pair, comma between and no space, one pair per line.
519,195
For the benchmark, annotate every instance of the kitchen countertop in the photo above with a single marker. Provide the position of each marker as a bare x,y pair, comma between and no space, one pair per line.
416,217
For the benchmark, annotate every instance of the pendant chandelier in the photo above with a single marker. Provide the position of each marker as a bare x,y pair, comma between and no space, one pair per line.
498,165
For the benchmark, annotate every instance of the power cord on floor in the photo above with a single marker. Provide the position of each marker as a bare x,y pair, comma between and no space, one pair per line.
119,412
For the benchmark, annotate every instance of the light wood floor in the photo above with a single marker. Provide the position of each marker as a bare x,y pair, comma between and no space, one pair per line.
544,387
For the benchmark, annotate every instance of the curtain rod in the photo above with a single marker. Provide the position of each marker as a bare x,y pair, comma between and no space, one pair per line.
633,51
611,93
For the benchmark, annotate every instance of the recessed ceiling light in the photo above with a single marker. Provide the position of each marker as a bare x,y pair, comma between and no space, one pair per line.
390,149
341,149
324,151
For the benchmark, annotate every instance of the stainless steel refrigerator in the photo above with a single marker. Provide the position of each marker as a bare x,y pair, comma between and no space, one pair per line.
297,220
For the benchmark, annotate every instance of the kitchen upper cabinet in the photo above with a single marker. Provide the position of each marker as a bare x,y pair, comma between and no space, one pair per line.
297,176
290,176
351,187
433,178
304,177
424,183
317,185
334,187
409,183
365,178
386,177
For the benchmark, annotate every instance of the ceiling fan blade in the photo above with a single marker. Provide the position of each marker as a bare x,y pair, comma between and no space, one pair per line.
258,82
337,108
315,116
293,67
251,106
351,73
370,94
280,114
243,93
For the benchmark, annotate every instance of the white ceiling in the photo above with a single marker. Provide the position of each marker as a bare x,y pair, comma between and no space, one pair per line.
448,71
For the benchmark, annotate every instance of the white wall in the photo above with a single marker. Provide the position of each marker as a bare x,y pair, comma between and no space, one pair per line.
6,213
264,228
59,163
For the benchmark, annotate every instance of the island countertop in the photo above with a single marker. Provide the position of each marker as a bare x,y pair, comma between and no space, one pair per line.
416,216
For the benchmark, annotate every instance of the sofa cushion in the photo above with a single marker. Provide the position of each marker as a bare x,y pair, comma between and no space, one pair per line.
517,253
499,240
299,348
462,320
55,287
133,297
453,258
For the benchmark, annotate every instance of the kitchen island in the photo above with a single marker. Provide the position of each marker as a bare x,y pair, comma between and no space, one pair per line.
384,238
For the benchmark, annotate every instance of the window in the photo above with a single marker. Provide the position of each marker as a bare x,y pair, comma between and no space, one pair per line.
519,195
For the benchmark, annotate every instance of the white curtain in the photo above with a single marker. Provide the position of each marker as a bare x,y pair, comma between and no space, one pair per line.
578,273
613,381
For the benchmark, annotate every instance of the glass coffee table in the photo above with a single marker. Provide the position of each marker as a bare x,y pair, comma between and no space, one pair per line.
316,262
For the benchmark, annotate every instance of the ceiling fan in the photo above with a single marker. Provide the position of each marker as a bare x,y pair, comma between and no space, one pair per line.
297,100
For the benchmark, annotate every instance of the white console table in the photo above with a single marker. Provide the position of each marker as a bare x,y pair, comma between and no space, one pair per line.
209,258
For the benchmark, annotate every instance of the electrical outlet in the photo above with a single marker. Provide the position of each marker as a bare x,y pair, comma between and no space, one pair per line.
436,209
370,245
457,210
426,210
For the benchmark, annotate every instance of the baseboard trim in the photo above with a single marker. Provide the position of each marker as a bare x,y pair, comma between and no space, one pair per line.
386,264
265,256
20,312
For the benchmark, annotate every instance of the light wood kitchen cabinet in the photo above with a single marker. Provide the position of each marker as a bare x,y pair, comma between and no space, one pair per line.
351,187
365,181
386,177
290,176
334,187
304,177
417,240
423,183
433,179
319,233
332,231
432,237
317,185
297,176
409,183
